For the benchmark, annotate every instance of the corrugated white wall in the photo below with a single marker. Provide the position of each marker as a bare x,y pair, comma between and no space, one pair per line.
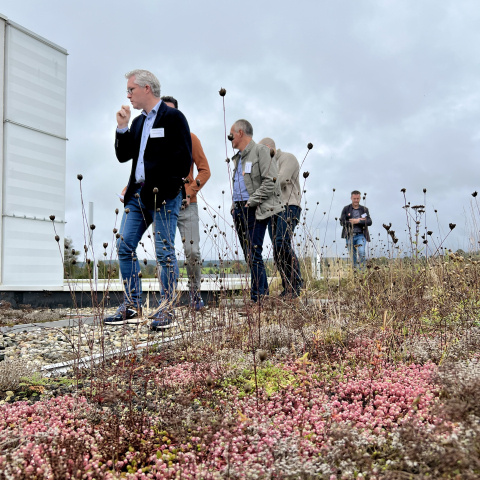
34,161
2,63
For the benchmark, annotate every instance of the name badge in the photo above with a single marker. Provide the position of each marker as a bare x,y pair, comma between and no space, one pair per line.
157,132
248,167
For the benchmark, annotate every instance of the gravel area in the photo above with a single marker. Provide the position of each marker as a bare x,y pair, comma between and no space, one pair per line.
46,344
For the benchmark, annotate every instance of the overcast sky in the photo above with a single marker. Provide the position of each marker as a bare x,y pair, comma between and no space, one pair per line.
387,92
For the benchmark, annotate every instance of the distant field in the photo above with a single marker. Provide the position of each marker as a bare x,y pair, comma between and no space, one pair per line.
207,271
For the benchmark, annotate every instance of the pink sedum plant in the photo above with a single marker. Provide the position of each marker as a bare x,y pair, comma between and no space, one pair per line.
288,431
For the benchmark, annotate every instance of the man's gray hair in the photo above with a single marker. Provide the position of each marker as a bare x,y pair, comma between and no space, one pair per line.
244,125
144,78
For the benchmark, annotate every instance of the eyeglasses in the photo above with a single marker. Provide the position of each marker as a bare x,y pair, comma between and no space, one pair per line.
130,90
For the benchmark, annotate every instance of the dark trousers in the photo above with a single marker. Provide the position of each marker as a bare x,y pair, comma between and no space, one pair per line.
281,228
251,233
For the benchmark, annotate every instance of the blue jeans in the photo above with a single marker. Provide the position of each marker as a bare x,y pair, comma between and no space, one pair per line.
133,226
356,247
280,228
251,233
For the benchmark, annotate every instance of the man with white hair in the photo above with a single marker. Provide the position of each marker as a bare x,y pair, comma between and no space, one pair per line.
159,144
282,225
256,197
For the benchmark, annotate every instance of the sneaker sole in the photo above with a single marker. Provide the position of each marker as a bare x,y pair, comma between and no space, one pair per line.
136,321
116,322
164,327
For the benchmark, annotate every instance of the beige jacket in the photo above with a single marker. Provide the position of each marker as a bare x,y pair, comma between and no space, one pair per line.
288,174
262,182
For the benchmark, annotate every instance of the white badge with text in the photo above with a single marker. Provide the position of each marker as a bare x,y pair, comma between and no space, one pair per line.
248,167
157,132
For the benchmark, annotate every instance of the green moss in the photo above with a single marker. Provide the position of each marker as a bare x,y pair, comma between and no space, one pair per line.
270,378
38,380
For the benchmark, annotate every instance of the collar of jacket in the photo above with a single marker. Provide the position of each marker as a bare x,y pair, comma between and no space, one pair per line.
244,152
360,207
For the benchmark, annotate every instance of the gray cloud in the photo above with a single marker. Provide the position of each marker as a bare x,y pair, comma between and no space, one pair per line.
388,93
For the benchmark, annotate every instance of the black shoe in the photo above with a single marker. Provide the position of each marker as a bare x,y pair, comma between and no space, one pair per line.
123,314
161,320
196,302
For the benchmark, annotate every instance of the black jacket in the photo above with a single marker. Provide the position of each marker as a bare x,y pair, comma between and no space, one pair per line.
167,159
347,214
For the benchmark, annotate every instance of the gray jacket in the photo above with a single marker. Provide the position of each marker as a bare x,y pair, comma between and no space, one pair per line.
288,173
262,182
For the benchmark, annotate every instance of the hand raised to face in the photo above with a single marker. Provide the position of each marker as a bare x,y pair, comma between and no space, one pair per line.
123,116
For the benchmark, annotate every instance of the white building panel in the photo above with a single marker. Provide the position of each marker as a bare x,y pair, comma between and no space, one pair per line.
2,91
31,255
32,159
34,166
35,83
